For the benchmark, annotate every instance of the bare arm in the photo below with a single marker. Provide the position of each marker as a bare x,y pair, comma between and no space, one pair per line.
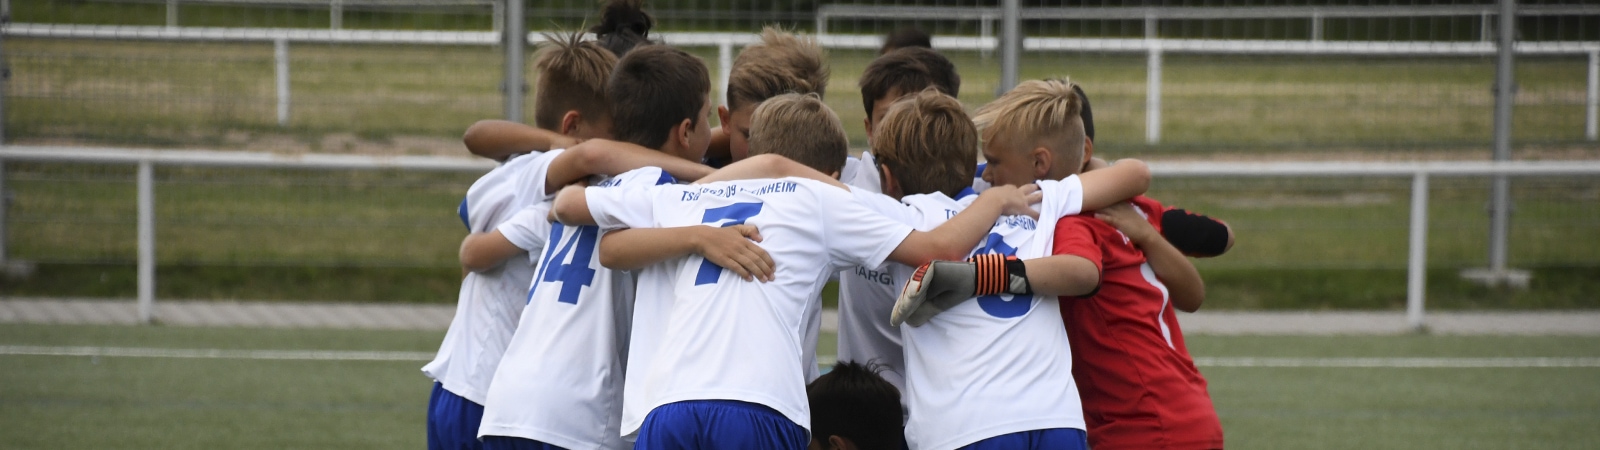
768,166
733,248
1062,275
954,239
484,251
1183,282
571,207
1124,180
499,139
606,157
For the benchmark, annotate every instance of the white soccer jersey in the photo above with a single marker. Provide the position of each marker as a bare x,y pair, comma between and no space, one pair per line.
561,379
490,302
864,331
997,364
731,339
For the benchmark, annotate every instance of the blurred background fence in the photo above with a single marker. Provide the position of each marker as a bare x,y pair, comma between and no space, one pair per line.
1217,80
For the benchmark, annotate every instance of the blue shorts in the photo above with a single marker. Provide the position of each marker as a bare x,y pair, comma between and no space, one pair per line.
719,424
452,421
515,443
1053,438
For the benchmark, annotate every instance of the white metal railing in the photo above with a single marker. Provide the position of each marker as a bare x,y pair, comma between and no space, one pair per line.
1420,173
1151,15
725,43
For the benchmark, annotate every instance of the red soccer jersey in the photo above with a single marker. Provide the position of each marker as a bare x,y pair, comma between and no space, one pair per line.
1139,386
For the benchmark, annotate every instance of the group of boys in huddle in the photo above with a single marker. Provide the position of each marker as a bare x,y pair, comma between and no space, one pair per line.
622,293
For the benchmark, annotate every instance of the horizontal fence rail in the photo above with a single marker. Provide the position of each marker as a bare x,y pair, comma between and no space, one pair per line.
1419,172
1153,48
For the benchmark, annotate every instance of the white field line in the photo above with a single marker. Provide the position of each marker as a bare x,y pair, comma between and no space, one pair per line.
211,353
826,360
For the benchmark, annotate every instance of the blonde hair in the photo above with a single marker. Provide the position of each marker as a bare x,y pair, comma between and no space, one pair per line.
802,128
1036,113
572,76
928,143
780,63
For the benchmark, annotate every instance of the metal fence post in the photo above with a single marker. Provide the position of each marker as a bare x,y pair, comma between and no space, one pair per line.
1152,100
335,14
1011,41
172,13
1316,26
281,59
724,67
516,41
1591,129
5,206
1505,98
1417,269
147,242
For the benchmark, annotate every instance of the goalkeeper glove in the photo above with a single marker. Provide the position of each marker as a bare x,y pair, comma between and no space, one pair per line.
941,285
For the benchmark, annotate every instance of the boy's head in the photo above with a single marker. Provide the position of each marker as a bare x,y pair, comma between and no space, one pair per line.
571,91
904,71
1033,132
853,407
906,37
802,128
925,144
623,25
660,98
781,63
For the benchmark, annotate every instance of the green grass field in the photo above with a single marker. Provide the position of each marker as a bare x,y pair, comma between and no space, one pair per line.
126,402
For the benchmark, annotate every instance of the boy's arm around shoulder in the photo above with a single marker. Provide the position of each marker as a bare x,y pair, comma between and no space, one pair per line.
607,157
768,166
483,251
499,139
956,238
1126,179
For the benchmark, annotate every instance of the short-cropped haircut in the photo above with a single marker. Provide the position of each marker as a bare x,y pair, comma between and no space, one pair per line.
652,90
928,143
908,70
1036,112
572,77
781,62
852,401
802,128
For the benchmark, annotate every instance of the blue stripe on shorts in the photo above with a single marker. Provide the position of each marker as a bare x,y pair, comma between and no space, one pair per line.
718,424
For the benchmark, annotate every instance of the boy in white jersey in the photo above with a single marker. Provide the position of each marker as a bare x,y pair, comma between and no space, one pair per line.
863,334
728,373
994,354
572,82
559,384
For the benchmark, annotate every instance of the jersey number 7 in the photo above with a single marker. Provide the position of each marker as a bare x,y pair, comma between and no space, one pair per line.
734,214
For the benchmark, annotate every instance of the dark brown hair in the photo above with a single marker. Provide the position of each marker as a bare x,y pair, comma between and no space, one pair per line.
623,26
652,90
908,70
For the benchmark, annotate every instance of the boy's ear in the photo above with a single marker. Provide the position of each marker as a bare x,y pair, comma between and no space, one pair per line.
867,123
569,122
723,116
680,133
888,184
1088,154
1043,160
